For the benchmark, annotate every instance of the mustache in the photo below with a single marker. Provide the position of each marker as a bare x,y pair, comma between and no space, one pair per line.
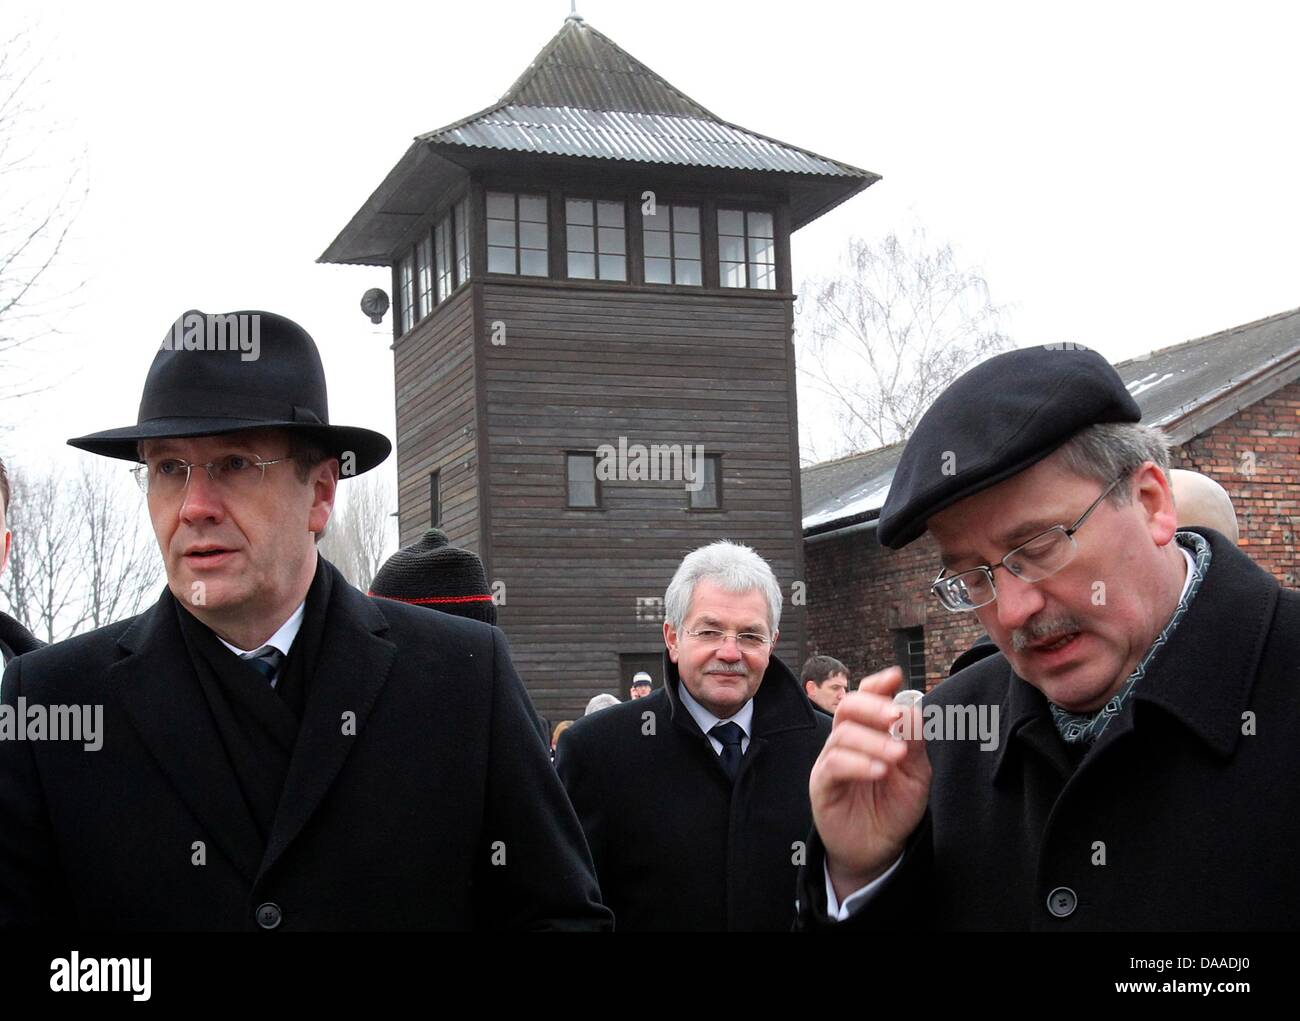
1037,630
718,667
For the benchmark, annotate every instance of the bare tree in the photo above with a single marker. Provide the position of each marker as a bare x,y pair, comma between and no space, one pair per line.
38,206
41,584
361,532
882,337
120,562
82,556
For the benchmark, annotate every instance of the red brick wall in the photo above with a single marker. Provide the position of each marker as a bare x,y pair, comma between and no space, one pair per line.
1255,456
859,592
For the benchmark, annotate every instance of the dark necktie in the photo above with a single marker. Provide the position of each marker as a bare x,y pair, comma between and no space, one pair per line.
731,736
266,661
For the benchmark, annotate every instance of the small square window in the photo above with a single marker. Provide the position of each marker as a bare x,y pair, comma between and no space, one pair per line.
584,489
709,494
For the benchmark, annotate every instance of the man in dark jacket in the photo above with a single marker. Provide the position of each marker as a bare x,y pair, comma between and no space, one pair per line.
711,835
1145,687
278,750
14,638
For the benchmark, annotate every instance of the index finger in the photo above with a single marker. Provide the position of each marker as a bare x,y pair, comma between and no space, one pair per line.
883,682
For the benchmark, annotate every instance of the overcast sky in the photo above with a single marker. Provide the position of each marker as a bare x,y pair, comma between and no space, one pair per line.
1124,174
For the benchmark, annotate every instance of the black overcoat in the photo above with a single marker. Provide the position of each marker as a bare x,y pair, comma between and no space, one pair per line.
677,845
15,639
433,806
1184,815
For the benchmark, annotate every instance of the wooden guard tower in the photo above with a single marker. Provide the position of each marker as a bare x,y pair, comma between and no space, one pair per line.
592,285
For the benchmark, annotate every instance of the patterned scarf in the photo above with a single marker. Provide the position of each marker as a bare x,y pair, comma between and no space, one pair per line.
1085,728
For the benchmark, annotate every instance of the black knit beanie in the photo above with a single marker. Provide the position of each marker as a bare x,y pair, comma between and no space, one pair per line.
433,573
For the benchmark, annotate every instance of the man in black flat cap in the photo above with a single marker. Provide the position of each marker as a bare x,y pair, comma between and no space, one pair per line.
1146,678
279,751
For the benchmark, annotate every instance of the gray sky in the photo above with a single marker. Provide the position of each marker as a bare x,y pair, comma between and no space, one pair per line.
1124,174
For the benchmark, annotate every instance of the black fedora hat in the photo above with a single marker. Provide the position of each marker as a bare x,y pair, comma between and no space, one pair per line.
235,371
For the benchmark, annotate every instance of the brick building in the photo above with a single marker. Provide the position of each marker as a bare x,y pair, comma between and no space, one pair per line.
1230,403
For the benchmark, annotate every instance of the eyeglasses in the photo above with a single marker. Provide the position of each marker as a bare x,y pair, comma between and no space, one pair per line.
747,640
234,472
1039,558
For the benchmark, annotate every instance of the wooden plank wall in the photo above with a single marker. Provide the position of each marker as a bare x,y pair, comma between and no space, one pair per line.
434,379
582,367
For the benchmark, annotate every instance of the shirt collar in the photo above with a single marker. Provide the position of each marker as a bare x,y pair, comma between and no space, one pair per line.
743,718
283,637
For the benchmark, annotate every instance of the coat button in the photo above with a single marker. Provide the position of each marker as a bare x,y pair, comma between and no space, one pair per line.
269,915
1062,901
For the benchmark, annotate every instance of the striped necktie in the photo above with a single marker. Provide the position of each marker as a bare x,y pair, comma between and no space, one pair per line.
266,661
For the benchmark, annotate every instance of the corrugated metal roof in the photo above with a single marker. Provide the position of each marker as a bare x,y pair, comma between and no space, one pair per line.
585,97
1171,386
581,67
638,137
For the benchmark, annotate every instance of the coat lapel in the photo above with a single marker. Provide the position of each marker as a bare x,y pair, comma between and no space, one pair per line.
157,688
351,669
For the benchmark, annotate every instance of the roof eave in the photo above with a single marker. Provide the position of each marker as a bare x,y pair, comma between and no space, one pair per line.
361,242
1204,415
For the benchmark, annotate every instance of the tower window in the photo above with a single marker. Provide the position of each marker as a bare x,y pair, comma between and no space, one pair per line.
424,303
442,256
516,234
672,245
406,294
462,241
596,235
746,249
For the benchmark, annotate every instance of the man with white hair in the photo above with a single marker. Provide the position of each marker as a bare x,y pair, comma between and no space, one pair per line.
713,837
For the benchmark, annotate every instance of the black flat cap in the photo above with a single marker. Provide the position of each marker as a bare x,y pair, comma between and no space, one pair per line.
996,420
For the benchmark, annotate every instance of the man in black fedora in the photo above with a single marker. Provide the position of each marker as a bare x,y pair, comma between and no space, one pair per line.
1140,772
279,751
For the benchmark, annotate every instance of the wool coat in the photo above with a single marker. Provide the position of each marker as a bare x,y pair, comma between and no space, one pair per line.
418,793
1184,815
677,844
15,639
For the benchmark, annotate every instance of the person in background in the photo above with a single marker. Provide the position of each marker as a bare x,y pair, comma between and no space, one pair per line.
560,728
825,681
709,836
15,639
601,701
642,685
431,572
1199,500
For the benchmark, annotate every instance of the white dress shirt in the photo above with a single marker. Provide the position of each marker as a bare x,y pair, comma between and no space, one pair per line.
283,637
744,719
